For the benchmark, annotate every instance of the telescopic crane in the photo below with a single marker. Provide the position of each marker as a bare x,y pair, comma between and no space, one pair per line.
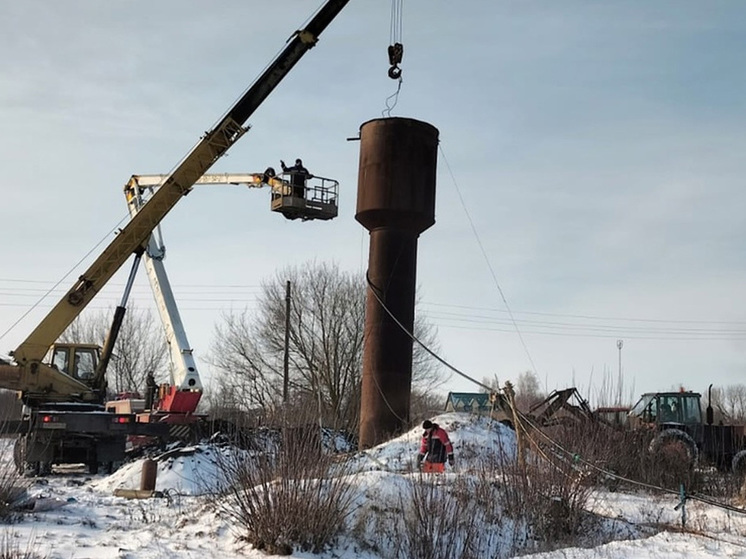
55,388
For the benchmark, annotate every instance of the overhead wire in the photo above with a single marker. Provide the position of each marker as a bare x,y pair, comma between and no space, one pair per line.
487,260
194,289
63,278
14,292
596,317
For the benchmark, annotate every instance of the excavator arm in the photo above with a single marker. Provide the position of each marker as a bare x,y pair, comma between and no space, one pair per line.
29,373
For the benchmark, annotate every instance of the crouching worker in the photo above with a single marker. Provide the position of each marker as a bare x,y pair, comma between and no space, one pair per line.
435,449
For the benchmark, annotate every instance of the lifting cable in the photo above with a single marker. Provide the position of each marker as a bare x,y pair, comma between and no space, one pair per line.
396,48
576,458
395,52
487,260
375,290
579,459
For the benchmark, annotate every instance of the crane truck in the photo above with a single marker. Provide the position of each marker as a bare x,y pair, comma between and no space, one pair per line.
63,386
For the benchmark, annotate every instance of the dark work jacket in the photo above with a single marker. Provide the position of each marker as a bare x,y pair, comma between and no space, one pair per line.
298,174
435,445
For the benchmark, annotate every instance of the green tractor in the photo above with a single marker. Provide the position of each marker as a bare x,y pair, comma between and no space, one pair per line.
677,419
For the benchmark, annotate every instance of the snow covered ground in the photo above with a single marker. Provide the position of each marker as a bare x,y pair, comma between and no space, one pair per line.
77,516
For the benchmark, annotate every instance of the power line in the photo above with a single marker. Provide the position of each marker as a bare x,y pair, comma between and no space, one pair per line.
486,319
215,297
590,317
219,300
217,288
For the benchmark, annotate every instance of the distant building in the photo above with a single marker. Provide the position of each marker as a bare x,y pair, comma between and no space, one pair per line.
472,402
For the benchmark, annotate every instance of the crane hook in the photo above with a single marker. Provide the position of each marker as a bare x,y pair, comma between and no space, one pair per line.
396,52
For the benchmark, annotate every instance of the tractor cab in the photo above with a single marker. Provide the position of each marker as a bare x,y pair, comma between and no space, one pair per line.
298,197
76,360
681,408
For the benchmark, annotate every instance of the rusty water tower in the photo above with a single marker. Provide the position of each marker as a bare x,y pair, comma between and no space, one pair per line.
395,202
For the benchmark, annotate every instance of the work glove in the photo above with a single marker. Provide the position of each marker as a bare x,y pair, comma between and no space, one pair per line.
450,460
419,461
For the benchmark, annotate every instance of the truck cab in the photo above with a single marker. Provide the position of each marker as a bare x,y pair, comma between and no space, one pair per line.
76,360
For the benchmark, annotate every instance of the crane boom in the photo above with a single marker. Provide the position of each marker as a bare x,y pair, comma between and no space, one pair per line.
134,236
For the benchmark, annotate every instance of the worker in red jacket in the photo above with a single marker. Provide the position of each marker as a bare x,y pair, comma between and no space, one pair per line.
435,448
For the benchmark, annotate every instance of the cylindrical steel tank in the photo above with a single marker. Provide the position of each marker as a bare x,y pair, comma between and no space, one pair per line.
148,475
395,202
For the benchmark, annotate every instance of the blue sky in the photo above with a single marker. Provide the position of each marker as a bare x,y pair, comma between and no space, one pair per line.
591,168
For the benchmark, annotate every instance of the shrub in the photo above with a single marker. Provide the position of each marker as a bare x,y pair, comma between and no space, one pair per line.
294,497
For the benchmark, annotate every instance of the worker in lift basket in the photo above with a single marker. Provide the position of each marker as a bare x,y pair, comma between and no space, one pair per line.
435,449
298,177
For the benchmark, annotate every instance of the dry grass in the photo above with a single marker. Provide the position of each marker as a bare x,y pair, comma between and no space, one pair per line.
12,485
11,548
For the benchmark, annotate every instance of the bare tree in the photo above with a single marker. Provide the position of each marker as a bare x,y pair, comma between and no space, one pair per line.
327,314
139,349
730,402
528,390
247,380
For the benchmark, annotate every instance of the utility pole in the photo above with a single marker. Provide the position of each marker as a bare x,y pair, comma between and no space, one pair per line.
619,344
286,361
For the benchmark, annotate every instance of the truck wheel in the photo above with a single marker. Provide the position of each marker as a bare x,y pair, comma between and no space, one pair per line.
738,464
20,453
109,468
677,444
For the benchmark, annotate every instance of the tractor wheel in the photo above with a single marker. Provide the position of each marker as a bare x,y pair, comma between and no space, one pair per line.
675,447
